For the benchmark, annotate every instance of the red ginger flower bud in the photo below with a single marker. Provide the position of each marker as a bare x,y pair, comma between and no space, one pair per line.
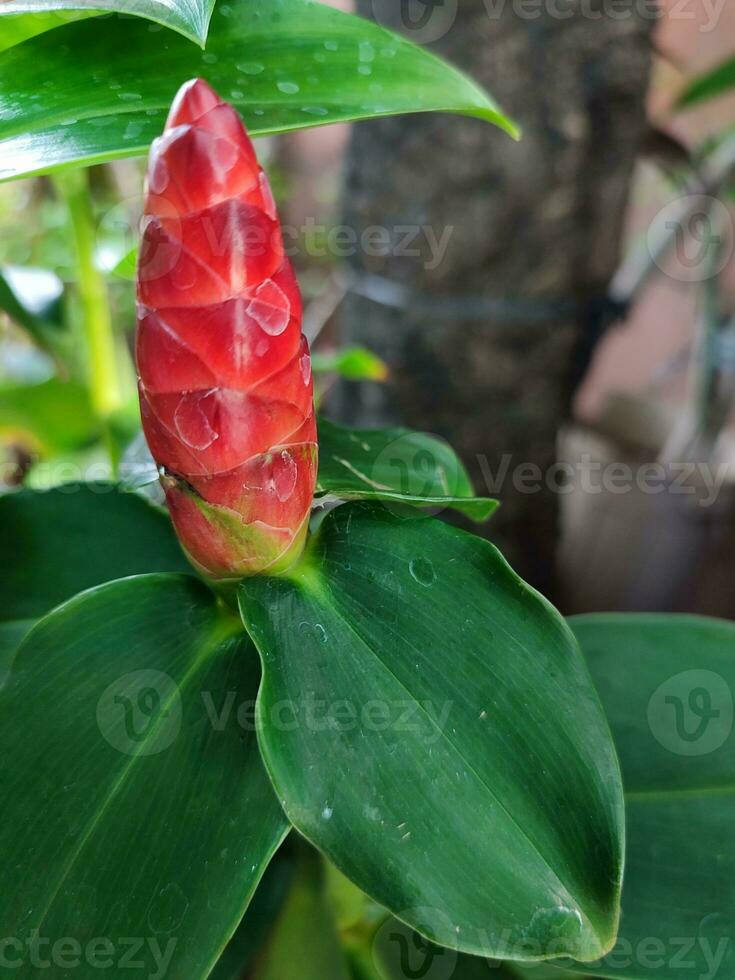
224,372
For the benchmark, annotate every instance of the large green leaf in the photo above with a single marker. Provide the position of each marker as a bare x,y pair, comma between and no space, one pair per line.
135,807
429,723
15,28
60,542
188,17
258,921
667,685
397,466
54,415
101,88
56,543
719,81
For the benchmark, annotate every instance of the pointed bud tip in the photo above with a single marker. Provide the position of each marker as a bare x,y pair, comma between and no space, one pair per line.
195,98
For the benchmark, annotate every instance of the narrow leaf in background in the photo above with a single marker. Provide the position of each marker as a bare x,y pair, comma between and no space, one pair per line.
429,723
106,84
149,814
709,85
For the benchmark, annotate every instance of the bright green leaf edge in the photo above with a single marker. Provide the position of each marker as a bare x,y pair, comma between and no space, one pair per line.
709,85
346,472
191,19
105,85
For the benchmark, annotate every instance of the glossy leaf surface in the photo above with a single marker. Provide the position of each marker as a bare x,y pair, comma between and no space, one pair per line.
488,809
101,89
56,543
398,466
135,804
188,17
667,685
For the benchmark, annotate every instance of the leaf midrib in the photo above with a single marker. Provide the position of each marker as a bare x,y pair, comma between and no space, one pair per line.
207,651
329,594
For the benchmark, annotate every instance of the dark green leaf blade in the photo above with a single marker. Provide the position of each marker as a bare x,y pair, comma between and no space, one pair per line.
106,85
188,17
258,921
430,725
398,466
56,543
134,804
667,685
719,81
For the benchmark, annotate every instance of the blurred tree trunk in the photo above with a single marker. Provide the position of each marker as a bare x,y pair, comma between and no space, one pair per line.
537,223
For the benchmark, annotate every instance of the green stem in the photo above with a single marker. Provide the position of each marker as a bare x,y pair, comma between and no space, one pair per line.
104,380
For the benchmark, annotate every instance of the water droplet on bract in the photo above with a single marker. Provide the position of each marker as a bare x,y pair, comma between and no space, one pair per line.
158,177
225,155
285,475
288,88
270,308
250,68
422,571
305,366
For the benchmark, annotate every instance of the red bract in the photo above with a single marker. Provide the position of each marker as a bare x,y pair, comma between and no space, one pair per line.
224,371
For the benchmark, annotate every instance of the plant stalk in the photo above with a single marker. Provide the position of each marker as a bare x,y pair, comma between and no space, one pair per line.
104,380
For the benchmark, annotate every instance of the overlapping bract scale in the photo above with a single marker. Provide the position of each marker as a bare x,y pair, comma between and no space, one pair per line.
225,375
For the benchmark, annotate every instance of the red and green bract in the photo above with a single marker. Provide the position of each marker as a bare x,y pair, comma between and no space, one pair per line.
224,371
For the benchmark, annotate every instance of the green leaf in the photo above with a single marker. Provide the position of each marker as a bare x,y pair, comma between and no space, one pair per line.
101,89
15,28
60,542
430,725
667,685
134,804
127,267
54,415
398,466
257,921
32,297
353,363
304,944
709,85
188,17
